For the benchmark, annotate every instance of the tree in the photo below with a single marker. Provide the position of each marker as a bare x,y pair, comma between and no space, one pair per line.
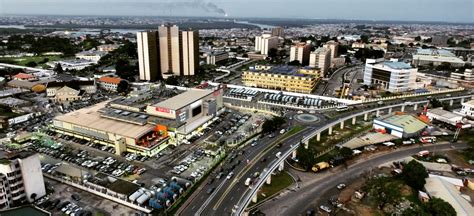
414,174
384,191
31,64
345,152
294,63
435,103
271,125
58,69
439,207
445,66
364,38
172,80
122,87
417,38
306,157
272,53
415,210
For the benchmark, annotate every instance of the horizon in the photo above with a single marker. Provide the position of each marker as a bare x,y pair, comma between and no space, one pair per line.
449,11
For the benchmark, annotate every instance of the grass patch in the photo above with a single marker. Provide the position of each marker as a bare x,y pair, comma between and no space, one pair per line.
293,131
280,181
330,140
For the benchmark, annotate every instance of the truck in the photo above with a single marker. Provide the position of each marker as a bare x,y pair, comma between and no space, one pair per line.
320,166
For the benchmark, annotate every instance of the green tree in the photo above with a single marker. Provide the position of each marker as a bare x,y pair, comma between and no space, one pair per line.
294,63
271,125
272,52
172,80
31,64
415,210
439,207
364,38
122,87
435,103
414,174
384,191
345,152
306,157
417,38
58,69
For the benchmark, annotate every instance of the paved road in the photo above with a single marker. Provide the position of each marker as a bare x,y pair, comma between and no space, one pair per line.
336,80
296,203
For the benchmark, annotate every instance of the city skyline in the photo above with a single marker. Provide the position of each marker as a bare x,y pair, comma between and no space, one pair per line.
400,10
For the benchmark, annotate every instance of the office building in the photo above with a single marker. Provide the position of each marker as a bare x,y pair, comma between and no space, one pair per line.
320,58
435,57
214,57
189,60
333,46
284,78
109,83
21,178
169,49
300,52
390,75
91,55
148,61
265,42
278,32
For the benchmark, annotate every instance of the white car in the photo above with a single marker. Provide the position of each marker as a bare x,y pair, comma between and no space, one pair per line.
230,175
325,208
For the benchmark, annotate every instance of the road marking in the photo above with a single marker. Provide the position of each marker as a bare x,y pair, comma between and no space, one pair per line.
206,203
255,160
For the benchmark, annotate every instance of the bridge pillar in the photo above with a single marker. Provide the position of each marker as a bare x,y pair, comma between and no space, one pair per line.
462,100
354,120
389,110
403,108
330,131
293,154
269,179
254,199
377,114
366,116
318,137
246,213
306,143
342,125
415,107
451,102
282,166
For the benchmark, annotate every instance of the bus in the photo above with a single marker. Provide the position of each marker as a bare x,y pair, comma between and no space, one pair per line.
342,108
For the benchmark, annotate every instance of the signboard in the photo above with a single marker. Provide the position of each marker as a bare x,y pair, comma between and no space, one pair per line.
163,110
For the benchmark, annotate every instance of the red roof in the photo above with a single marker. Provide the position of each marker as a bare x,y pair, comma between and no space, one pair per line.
112,80
24,76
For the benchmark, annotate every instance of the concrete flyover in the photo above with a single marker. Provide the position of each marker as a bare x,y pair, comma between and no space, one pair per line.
279,162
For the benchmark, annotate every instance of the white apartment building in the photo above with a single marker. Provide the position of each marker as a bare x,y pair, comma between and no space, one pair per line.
392,76
300,52
190,48
91,55
148,55
320,58
265,42
333,46
468,109
20,178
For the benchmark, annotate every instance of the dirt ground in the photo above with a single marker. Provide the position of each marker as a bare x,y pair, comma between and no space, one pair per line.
456,158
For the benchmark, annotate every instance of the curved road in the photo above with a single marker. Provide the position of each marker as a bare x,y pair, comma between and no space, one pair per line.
296,203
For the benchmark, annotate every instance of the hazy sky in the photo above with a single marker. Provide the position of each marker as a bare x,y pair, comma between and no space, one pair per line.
417,10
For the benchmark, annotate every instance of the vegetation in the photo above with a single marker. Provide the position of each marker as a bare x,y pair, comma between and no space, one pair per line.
366,53
435,207
38,45
384,190
272,125
280,181
306,157
414,174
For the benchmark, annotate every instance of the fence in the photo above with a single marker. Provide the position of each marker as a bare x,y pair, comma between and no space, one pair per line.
412,95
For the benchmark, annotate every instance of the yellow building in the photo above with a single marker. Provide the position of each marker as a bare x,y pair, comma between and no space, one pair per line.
285,78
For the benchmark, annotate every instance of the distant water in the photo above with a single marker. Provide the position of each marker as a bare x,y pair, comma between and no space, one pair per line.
13,26
262,26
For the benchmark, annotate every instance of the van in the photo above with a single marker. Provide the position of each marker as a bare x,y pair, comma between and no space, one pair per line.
247,182
278,155
282,131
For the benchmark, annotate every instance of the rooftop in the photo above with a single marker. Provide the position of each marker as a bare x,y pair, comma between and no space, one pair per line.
396,65
435,52
90,117
24,76
284,70
443,188
24,210
183,99
8,155
409,123
113,80
444,113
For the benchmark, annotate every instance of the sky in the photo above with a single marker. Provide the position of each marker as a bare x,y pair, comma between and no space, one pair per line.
405,10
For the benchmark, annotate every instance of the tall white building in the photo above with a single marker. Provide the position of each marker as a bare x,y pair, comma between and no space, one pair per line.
300,52
190,49
148,55
20,178
169,49
392,76
333,46
265,42
320,58
468,109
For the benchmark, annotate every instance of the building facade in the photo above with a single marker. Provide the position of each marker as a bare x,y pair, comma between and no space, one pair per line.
148,65
435,57
169,49
333,46
300,52
284,78
21,178
109,83
278,32
190,49
320,58
468,109
213,58
389,75
265,42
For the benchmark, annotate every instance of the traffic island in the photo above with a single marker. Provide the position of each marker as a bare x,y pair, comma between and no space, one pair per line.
279,182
